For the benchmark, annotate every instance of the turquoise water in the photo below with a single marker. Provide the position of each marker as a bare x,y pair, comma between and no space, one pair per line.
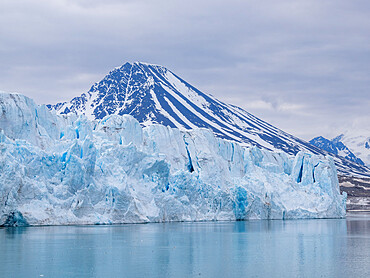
293,248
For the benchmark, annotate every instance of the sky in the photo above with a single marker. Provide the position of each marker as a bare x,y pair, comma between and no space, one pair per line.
303,66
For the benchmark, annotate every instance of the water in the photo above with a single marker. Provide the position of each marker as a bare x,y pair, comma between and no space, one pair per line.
295,248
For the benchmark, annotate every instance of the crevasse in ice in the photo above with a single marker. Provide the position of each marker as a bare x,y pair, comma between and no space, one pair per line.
69,170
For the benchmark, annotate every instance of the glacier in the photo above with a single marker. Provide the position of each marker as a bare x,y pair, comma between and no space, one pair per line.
67,169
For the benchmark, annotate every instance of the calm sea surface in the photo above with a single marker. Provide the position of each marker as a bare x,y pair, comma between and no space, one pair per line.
293,248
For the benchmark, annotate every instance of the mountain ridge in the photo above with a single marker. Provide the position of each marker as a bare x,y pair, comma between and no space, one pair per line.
352,144
153,94
335,146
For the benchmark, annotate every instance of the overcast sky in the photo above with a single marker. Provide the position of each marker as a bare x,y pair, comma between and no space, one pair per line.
303,66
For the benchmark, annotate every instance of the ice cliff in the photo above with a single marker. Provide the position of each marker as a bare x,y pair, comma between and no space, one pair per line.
70,170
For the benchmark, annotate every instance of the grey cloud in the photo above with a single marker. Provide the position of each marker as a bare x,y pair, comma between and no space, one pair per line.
301,65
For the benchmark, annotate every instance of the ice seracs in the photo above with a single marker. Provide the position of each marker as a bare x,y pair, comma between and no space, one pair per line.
71,170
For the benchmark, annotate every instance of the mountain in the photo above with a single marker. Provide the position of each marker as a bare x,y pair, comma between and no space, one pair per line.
335,146
154,94
353,145
358,141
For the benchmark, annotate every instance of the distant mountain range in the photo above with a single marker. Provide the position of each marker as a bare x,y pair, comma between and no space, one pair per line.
335,146
154,94
353,145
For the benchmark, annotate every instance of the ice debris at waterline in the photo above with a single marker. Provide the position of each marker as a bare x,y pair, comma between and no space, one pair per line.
69,170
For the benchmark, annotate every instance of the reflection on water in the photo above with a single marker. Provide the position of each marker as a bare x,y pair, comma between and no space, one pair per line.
296,248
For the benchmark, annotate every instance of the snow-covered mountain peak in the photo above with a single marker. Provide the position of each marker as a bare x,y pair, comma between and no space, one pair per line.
358,141
153,94
335,146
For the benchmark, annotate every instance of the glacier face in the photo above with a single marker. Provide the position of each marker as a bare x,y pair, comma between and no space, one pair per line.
58,169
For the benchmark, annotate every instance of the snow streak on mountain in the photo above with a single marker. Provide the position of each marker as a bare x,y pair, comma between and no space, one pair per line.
154,94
